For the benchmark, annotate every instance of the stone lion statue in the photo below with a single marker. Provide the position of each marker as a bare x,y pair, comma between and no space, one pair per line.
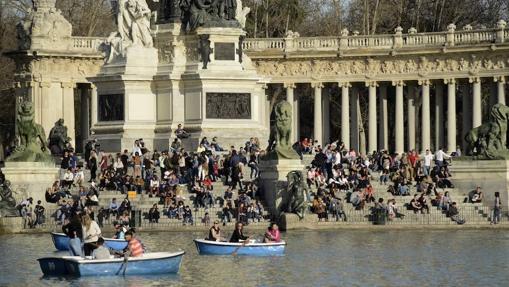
280,141
31,136
296,195
489,140
7,201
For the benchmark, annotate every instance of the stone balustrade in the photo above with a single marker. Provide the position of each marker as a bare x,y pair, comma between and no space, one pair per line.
87,44
449,38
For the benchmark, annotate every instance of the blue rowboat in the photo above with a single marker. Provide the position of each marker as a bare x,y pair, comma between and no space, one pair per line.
61,242
148,264
206,247
54,266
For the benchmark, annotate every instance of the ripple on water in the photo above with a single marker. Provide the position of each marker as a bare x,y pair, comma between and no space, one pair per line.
314,258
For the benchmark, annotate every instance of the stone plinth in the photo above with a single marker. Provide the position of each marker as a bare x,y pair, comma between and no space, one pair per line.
273,180
30,179
11,225
128,82
490,175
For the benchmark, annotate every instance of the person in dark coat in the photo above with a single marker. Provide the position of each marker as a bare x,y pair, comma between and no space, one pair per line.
238,233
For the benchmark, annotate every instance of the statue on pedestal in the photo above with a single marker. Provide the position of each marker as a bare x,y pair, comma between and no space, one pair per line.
133,28
7,201
280,140
58,139
32,139
489,141
209,13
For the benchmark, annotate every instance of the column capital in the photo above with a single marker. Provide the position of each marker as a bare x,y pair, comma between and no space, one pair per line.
318,85
499,79
289,85
398,83
424,82
68,85
45,84
451,81
344,84
473,80
264,86
372,84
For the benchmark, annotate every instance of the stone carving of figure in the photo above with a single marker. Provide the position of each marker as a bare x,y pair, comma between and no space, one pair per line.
241,14
280,141
297,194
229,9
7,201
58,139
133,20
205,50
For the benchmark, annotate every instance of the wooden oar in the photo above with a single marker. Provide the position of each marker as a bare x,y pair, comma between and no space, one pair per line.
123,267
234,253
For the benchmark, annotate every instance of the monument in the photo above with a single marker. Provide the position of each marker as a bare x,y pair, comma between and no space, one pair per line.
30,169
188,68
281,178
58,139
487,162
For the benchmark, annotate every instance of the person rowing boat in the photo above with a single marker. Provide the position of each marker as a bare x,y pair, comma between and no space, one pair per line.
238,234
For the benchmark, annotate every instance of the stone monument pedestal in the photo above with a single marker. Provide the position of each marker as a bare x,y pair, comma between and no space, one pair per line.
30,179
490,175
11,225
273,181
126,105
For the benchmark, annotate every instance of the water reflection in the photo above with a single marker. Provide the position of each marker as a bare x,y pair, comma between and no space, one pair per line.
314,258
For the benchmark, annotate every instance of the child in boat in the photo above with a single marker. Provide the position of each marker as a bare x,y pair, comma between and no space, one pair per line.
101,252
272,234
134,246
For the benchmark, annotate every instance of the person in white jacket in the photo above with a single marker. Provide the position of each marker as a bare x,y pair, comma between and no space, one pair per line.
91,233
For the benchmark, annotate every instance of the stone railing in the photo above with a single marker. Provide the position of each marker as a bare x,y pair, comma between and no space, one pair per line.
87,44
449,38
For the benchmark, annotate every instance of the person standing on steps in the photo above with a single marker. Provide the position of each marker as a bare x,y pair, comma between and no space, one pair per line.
496,209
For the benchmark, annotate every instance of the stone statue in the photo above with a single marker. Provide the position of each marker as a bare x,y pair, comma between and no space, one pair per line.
205,50
297,194
133,28
241,14
58,138
7,201
280,141
489,141
29,133
209,13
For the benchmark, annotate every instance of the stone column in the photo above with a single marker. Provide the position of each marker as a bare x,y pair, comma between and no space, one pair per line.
501,89
400,126
290,97
326,116
411,116
466,99
94,100
345,113
354,119
476,102
47,121
318,113
384,122
68,110
439,115
372,131
451,114
426,118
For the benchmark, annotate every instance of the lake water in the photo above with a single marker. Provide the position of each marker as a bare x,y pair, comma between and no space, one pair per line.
313,258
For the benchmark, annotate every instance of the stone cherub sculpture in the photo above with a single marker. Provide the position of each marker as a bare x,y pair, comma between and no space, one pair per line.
7,201
296,194
280,140
58,138
489,141
32,139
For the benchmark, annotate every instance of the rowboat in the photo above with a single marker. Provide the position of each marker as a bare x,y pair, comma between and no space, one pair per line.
61,242
148,264
206,247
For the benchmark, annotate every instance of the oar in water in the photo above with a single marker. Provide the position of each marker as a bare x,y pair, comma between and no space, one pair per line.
234,253
123,267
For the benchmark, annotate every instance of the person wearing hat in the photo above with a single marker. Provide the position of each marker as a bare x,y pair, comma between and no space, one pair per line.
215,232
